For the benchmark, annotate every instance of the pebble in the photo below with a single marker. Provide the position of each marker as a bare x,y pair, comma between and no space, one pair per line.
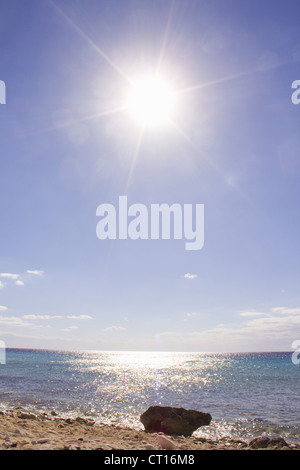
23,415
43,440
10,444
164,442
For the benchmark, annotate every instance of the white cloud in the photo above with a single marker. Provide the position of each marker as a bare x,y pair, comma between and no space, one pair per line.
114,328
190,276
2,308
17,278
253,314
40,317
190,315
35,272
285,310
70,328
80,317
10,276
264,331
14,321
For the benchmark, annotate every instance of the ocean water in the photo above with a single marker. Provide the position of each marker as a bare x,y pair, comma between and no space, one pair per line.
247,394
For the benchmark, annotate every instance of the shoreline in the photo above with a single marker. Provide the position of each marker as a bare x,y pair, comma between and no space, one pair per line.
21,429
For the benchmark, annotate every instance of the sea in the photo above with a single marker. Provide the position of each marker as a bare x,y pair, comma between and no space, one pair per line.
247,394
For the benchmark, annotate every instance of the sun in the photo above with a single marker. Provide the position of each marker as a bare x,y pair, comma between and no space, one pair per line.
150,101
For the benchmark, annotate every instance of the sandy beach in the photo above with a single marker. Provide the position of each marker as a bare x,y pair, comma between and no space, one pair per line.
21,429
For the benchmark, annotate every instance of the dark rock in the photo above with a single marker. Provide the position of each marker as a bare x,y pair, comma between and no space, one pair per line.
267,442
86,421
69,420
259,443
278,443
171,420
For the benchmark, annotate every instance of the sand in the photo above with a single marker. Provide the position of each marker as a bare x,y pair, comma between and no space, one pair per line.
21,429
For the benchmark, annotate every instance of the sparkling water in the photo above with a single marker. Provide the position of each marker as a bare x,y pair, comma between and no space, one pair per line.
247,394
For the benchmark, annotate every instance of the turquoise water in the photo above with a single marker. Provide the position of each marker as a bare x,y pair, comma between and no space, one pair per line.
247,394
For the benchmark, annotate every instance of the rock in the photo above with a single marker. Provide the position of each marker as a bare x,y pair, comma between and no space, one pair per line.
23,415
23,442
259,443
69,420
278,442
267,442
171,420
43,440
10,444
86,421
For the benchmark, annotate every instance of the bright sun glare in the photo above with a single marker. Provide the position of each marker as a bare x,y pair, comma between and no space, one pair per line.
150,101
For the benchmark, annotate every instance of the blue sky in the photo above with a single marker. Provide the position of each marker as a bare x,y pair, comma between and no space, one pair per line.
66,147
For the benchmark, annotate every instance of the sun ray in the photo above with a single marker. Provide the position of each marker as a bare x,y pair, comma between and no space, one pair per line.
211,162
135,157
229,78
189,140
215,82
165,38
65,125
90,42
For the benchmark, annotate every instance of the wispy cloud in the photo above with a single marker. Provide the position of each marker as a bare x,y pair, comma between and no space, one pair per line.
2,308
35,272
277,326
190,276
286,311
189,315
253,314
114,328
70,328
14,321
18,279
80,317
40,317
9,276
